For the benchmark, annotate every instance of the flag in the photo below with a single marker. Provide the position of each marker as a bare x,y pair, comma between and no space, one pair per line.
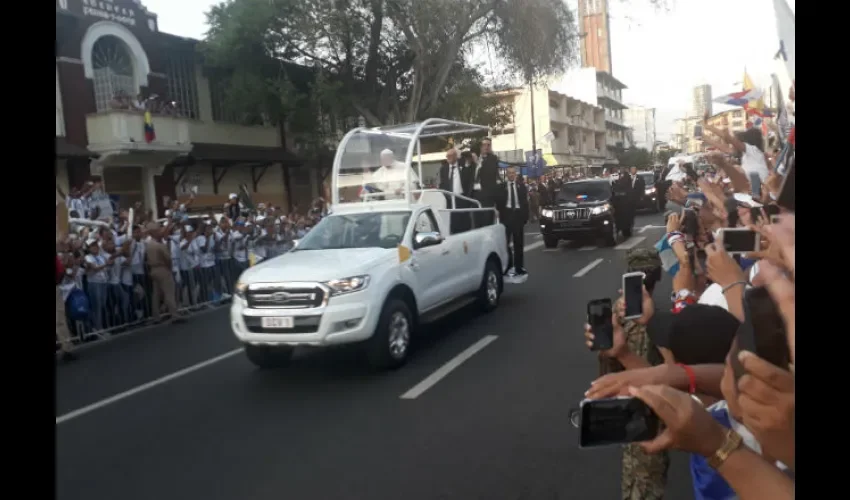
786,29
150,134
739,98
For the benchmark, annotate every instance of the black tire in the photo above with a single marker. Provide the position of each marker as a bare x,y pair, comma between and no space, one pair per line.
490,282
384,350
610,238
269,357
550,242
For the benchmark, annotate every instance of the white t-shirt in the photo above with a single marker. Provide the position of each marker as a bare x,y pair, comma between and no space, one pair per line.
240,246
390,180
101,276
223,247
137,257
189,256
207,258
753,162
115,271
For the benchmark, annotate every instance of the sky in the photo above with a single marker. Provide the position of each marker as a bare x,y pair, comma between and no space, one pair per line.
659,54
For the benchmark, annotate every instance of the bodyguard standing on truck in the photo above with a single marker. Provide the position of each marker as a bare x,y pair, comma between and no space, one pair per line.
486,185
514,215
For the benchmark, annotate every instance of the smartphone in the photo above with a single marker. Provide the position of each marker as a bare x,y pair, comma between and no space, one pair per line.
633,294
787,193
599,317
690,222
755,185
614,421
762,332
740,240
772,210
756,214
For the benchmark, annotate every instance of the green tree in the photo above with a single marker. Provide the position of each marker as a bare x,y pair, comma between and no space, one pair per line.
392,60
635,157
664,156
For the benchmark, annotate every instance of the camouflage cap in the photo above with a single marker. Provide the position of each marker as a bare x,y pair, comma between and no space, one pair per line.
643,259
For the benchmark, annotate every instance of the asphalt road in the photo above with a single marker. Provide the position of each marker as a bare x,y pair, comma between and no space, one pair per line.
179,413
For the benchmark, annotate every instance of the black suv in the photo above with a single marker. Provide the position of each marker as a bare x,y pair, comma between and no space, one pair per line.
581,209
649,198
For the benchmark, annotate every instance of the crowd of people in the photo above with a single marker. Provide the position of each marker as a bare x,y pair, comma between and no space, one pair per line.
115,273
716,363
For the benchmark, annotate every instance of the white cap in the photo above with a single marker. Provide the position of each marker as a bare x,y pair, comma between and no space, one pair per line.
713,296
168,213
188,228
387,152
233,196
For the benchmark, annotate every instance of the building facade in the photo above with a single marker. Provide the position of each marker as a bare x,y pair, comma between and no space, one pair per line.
734,120
601,89
701,100
595,25
570,132
109,55
641,121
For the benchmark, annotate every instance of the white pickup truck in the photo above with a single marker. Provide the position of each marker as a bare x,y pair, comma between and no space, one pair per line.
390,257
372,275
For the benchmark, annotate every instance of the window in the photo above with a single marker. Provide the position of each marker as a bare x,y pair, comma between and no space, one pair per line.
182,86
113,71
738,113
425,223
599,32
554,104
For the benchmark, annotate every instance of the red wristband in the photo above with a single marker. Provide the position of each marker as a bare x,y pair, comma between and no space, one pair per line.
692,378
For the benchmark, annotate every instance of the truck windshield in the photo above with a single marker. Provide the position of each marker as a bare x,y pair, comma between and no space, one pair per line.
648,178
585,191
364,230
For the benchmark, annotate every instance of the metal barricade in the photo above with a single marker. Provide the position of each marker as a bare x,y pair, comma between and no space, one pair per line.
117,308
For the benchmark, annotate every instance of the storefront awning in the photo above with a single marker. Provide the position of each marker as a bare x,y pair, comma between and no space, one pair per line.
65,150
202,151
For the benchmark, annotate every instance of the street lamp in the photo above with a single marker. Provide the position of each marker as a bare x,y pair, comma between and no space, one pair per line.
533,125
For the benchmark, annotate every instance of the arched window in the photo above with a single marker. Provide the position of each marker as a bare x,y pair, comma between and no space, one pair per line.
113,71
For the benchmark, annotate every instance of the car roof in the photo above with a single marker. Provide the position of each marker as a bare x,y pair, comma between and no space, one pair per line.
593,181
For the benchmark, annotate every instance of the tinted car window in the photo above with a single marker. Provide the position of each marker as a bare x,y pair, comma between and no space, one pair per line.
648,178
593,191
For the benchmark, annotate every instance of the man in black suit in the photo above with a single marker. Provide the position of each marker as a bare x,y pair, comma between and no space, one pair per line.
514,215
457,178
485,187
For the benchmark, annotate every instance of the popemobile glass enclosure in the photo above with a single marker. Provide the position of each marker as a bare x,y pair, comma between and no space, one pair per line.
383,165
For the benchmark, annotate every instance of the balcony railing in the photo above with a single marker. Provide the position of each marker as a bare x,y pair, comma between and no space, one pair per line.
120,127
114,128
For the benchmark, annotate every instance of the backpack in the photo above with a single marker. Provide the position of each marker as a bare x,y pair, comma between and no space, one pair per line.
77,305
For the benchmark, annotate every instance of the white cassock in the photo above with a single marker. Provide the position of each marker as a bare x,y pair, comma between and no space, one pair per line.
391,179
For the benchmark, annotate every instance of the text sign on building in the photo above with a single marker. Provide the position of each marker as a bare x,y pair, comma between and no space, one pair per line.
126,12
106,9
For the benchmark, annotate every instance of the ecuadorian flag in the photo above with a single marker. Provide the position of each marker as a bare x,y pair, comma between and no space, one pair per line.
150,134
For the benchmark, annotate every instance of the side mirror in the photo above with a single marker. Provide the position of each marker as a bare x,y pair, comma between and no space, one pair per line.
295,243
422,240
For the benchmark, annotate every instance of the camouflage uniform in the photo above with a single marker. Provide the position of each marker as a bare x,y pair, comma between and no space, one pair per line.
644,476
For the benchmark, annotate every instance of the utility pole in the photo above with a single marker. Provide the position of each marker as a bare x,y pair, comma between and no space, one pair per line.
533,126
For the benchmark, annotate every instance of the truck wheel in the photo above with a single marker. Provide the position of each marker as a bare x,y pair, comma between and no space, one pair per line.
491,287
269,357
550,242
610,238
389,346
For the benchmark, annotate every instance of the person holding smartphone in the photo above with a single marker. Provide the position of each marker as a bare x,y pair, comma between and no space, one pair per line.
644,476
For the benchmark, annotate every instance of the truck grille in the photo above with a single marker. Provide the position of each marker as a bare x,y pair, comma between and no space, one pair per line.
571,214
285,298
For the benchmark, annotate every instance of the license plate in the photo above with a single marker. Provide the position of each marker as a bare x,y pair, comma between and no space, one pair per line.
277,322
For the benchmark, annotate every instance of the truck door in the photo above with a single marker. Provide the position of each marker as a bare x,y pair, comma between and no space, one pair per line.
428,266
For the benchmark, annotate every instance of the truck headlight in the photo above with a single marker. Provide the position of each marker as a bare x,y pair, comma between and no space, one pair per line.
348,285
240,289
650,190
546,213
601,209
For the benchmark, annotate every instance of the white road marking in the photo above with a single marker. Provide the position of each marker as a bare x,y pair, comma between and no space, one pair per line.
550,250
441,372
586,249
630,243
586,269
532,246
153,383
650,226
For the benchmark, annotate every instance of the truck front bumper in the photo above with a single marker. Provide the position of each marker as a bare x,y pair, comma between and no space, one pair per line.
344,319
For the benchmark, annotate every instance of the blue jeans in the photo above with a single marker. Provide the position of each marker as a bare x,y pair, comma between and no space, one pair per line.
98,294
